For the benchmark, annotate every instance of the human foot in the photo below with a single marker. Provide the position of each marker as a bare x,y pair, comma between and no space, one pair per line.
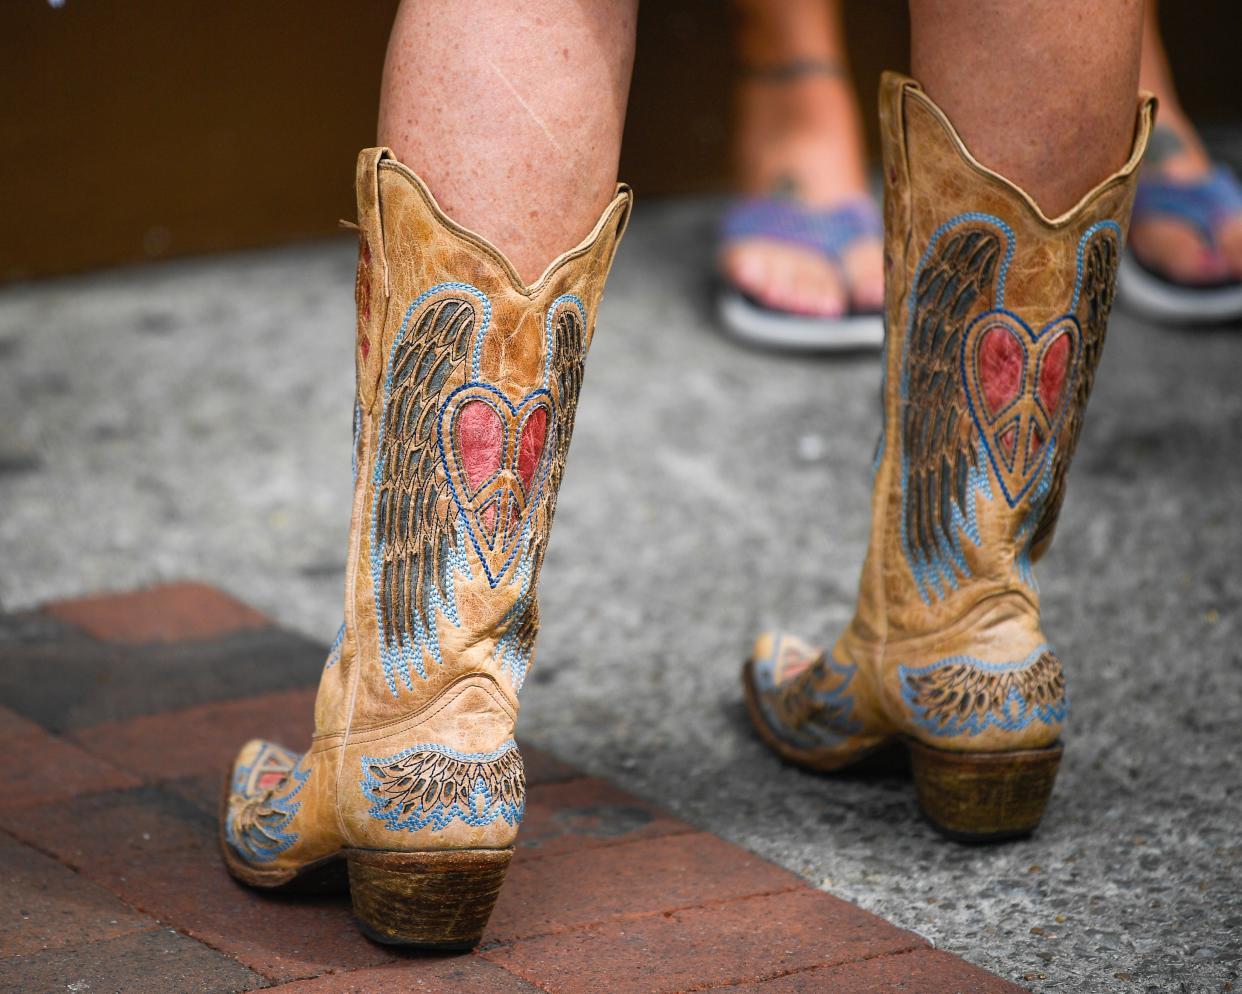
1187,224
799,141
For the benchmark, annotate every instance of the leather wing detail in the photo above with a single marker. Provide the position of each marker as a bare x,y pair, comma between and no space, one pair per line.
430,779
956,281
414,516
569,349
1100,258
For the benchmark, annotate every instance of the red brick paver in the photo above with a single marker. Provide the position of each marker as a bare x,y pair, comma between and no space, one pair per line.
418,975
585,814
201,739
112,856
159,853
174,612
51,906
921,971
646,877
37,767
709,946
155,962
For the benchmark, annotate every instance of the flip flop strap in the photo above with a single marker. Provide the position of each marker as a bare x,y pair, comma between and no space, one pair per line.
1204,205
830,231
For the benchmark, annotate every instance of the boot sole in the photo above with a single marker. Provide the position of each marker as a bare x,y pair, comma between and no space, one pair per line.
438,900
984,796
430,900
971,797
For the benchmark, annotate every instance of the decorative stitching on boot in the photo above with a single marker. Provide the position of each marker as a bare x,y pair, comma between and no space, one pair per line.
963,375
499,465
258,829
813,708
1098,255
431,785
963,695
416,547
334,651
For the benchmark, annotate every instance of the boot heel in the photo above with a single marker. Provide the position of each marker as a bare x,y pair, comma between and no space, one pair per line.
435,900
984,796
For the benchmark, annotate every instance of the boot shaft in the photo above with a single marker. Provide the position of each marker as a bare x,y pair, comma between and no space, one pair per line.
467,384
996,316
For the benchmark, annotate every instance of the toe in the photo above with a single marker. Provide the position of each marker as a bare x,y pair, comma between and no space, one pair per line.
1229,239
744,267
1174,250
820,289
785,277
864,268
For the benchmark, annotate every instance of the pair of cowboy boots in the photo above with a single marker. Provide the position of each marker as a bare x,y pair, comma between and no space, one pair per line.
467,382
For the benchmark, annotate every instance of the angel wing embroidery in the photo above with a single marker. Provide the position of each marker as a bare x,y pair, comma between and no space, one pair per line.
955,282
963,696
414,531
1099,259
432,785
568,342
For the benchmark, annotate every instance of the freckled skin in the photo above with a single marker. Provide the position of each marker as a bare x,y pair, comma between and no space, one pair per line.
801,136
1042,93
512,114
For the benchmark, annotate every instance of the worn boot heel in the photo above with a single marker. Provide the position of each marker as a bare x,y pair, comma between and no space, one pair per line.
433,900
984,796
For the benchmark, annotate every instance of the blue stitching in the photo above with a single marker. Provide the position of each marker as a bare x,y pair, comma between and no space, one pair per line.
353,456
1012,460
920,568
1025,534
536,491
334,651
481,808
837,702
409,656
257,851
1070,365
549,338
1054,429
507,648
426,637
933,577
1082,248
1017,712
1030,437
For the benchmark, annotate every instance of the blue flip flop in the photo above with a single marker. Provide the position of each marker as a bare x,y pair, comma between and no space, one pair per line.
1205,206
830,232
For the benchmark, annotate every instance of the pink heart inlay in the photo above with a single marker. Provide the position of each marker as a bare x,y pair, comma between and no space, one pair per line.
480,440
1000,367
1053,371
530,448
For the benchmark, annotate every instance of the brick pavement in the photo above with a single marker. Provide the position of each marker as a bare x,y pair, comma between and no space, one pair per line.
120,714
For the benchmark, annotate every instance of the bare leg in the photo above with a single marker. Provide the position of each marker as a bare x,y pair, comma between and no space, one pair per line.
1177,153
512,114
1052,108
798,134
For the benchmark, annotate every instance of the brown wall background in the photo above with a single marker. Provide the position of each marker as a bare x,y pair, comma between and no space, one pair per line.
134,131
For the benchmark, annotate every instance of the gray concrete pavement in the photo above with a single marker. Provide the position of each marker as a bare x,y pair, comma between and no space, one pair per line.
192,420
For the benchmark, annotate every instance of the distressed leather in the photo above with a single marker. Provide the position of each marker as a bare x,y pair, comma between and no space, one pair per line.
996,315
467,383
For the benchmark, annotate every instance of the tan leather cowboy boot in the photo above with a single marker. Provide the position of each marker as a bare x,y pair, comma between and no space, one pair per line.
996,316
467,382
